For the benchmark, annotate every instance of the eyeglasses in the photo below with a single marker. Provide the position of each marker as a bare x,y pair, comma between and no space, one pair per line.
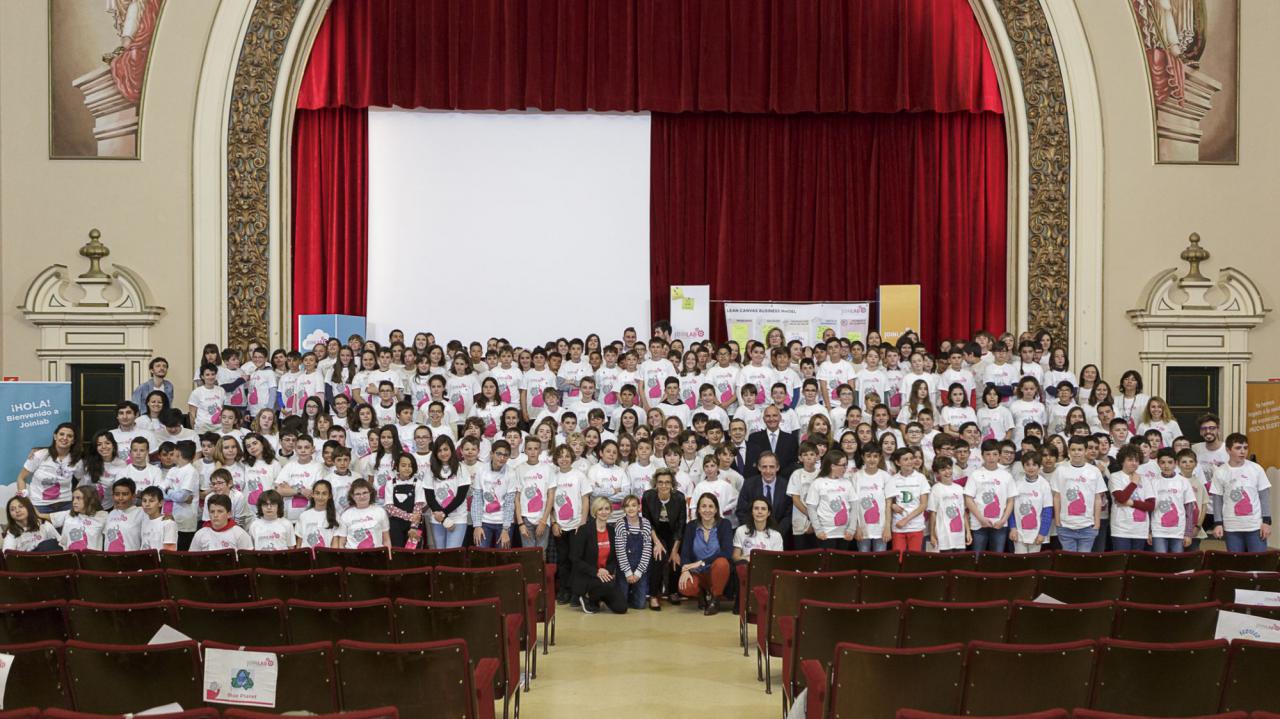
502,454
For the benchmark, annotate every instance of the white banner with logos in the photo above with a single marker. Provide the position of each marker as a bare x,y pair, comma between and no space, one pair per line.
240,677
804,322
690,312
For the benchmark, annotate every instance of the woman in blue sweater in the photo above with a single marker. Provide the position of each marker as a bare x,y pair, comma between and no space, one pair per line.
706,555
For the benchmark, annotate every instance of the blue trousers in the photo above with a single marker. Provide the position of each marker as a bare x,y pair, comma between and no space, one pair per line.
1168,545
1244,542
990,539
1128,544
1077,540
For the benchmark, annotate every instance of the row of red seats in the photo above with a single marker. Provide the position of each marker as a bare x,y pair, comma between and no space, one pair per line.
395,558
379,713
989,679
436,678
1077,714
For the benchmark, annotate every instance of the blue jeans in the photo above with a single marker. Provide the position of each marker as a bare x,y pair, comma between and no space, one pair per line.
1128,544
990,539
1244,542
449,538
636,593
1168,545
1077,540
492,532
872,545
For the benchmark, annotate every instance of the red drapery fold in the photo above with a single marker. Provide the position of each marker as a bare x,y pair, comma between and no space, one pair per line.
330,211
778,56
828,207
901,179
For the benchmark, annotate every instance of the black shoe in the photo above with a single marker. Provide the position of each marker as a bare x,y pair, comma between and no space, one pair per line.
582,601
713,607
655,607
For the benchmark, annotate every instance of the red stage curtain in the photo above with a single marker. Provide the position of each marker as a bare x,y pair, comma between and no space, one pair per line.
827,207
779,56
330,211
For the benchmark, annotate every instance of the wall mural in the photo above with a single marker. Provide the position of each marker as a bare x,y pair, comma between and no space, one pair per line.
98,52
1193,62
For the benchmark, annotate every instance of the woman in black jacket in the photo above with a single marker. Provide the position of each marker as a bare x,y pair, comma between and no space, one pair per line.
595,567
664,506
706,554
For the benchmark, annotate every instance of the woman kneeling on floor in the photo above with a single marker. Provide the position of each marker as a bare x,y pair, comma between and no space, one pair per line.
595,565
705,555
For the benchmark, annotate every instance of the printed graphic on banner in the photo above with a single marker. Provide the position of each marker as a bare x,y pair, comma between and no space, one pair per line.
1235,625
313,329
899,311
6,663
690,312
31,412
1263,428
804,322
240,678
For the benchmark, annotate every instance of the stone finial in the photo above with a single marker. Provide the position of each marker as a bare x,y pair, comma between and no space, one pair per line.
1193,256
94,251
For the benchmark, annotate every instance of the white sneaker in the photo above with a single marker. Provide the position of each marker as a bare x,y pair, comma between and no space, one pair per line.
583,602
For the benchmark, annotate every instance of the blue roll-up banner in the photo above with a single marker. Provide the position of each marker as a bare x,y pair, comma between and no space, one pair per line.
319,328
31,412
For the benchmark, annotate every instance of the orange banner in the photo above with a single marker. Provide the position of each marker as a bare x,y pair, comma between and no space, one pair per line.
899,311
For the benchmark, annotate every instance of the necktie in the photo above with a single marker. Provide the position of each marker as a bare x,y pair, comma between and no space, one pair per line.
768,493
773,441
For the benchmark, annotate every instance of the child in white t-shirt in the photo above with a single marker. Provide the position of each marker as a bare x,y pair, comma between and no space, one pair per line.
365,525
82,527
949,532
1241,495
1032,507
25,531
1173,523
271,531
908,494
222,531
159,533
318,526
1132,503
798,488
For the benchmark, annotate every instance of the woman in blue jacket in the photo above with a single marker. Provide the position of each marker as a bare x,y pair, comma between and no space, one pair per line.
706,555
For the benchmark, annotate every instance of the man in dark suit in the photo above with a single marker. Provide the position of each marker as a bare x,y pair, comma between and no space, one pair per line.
772,439
768,485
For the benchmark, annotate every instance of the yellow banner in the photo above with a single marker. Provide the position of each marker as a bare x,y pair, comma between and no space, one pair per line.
899,311
1263,422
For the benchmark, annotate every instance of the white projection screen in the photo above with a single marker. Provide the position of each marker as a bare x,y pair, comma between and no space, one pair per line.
523,225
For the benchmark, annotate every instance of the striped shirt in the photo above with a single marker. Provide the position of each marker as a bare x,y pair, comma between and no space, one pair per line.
623,531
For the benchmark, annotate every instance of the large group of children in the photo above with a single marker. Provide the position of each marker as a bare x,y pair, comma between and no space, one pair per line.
626,461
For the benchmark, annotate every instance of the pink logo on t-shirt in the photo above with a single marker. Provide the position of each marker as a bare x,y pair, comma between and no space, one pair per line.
217,416
115,540
655,390
1169,518
364,539
491,503
989,434
610,398
537,400
1029,518
168,507
566,509
726,395
991,505
1140,516
459,405
1075,505
957,524
299,501
505,394
842,515
490,428
870,511
1244,507
51,491
253,395
253,496
535,503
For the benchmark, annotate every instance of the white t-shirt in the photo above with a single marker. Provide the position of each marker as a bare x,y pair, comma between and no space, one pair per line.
1210,459
994,423
754,416
1031,498
534,483
535,381
908,491
571,487
364,528
962,377
956,417
1001,375
610,483
272,534
725,380
208,402
261,383
1025,413
798,486
258,478
946,502
831,504
492,488
145,476
726,494
1172,494
873,380
1078,486
209,539
185,478
299,476
123,530
461,391
1129,522
762,377
835,374
50,480
871,492
991,490
27,541
1239,488
446,488
158,532
640,477
653,373
510,381
80,531
748,542
313,529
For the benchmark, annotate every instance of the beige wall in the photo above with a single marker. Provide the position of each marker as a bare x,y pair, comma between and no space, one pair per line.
144,207
1151,209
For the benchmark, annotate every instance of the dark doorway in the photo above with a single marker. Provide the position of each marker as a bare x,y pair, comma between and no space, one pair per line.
95,391
1192,391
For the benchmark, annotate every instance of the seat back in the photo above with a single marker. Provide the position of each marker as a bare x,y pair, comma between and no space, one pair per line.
1081,588
37,677
532,563
986,586
1190,677
506,583
1003,562
233,586
41,561
868,682
313,585
1268,561
1034,623
117,623
1165,623
478,622
1225,583
189,714
33,622
363,558
27,587
420,679
1164,563
121,587
1089,562
366,621
402,558
113,679
379,713
139,561
788,589
1162,588
834,560
901,586
389,583
258,623
931,623
820,626
762,563
306,679
221,560
1252,668
916,562
1061,674
295,559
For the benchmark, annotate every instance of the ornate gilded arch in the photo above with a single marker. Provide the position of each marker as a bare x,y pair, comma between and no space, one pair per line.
1045,132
